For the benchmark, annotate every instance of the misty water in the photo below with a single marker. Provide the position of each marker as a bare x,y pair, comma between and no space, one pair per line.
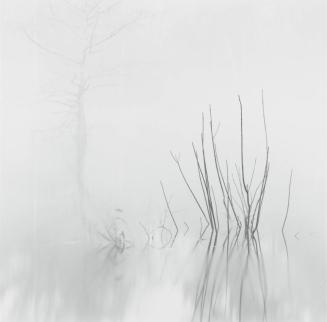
106,215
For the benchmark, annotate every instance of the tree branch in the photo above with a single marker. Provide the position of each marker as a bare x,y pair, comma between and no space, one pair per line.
49,50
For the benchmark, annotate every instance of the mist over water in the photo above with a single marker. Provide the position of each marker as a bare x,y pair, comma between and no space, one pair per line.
98,102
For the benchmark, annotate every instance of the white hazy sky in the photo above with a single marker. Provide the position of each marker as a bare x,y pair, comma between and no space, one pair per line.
180,57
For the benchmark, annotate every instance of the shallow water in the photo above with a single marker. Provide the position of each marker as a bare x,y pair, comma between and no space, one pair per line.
188,281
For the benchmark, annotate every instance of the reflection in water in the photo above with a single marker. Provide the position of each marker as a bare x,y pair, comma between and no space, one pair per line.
115,242
284,237
233,283
222,279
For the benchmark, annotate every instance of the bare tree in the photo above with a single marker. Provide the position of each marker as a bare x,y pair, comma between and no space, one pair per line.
81,19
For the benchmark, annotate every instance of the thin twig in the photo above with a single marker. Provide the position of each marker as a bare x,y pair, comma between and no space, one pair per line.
170,212
49,50
288,201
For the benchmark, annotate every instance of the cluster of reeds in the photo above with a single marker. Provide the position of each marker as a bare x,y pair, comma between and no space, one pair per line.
242,204
222,285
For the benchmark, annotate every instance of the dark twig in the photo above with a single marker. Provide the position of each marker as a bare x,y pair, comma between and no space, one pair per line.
189,187
170,212
288,202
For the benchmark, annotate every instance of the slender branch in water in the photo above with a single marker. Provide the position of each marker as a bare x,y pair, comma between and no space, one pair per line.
216,208
240,191
170,212
258,207
287,262
264,118
283,233
211,211
288,202
202,181
255,163
189,187
259,203
242,145
202,232
205,184
245,186
226,196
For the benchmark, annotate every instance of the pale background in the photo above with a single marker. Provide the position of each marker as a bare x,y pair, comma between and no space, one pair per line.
164,71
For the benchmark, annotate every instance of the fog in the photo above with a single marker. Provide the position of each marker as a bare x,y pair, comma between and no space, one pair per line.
96,98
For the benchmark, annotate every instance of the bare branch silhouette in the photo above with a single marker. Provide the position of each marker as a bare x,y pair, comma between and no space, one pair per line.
170,212
49,50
